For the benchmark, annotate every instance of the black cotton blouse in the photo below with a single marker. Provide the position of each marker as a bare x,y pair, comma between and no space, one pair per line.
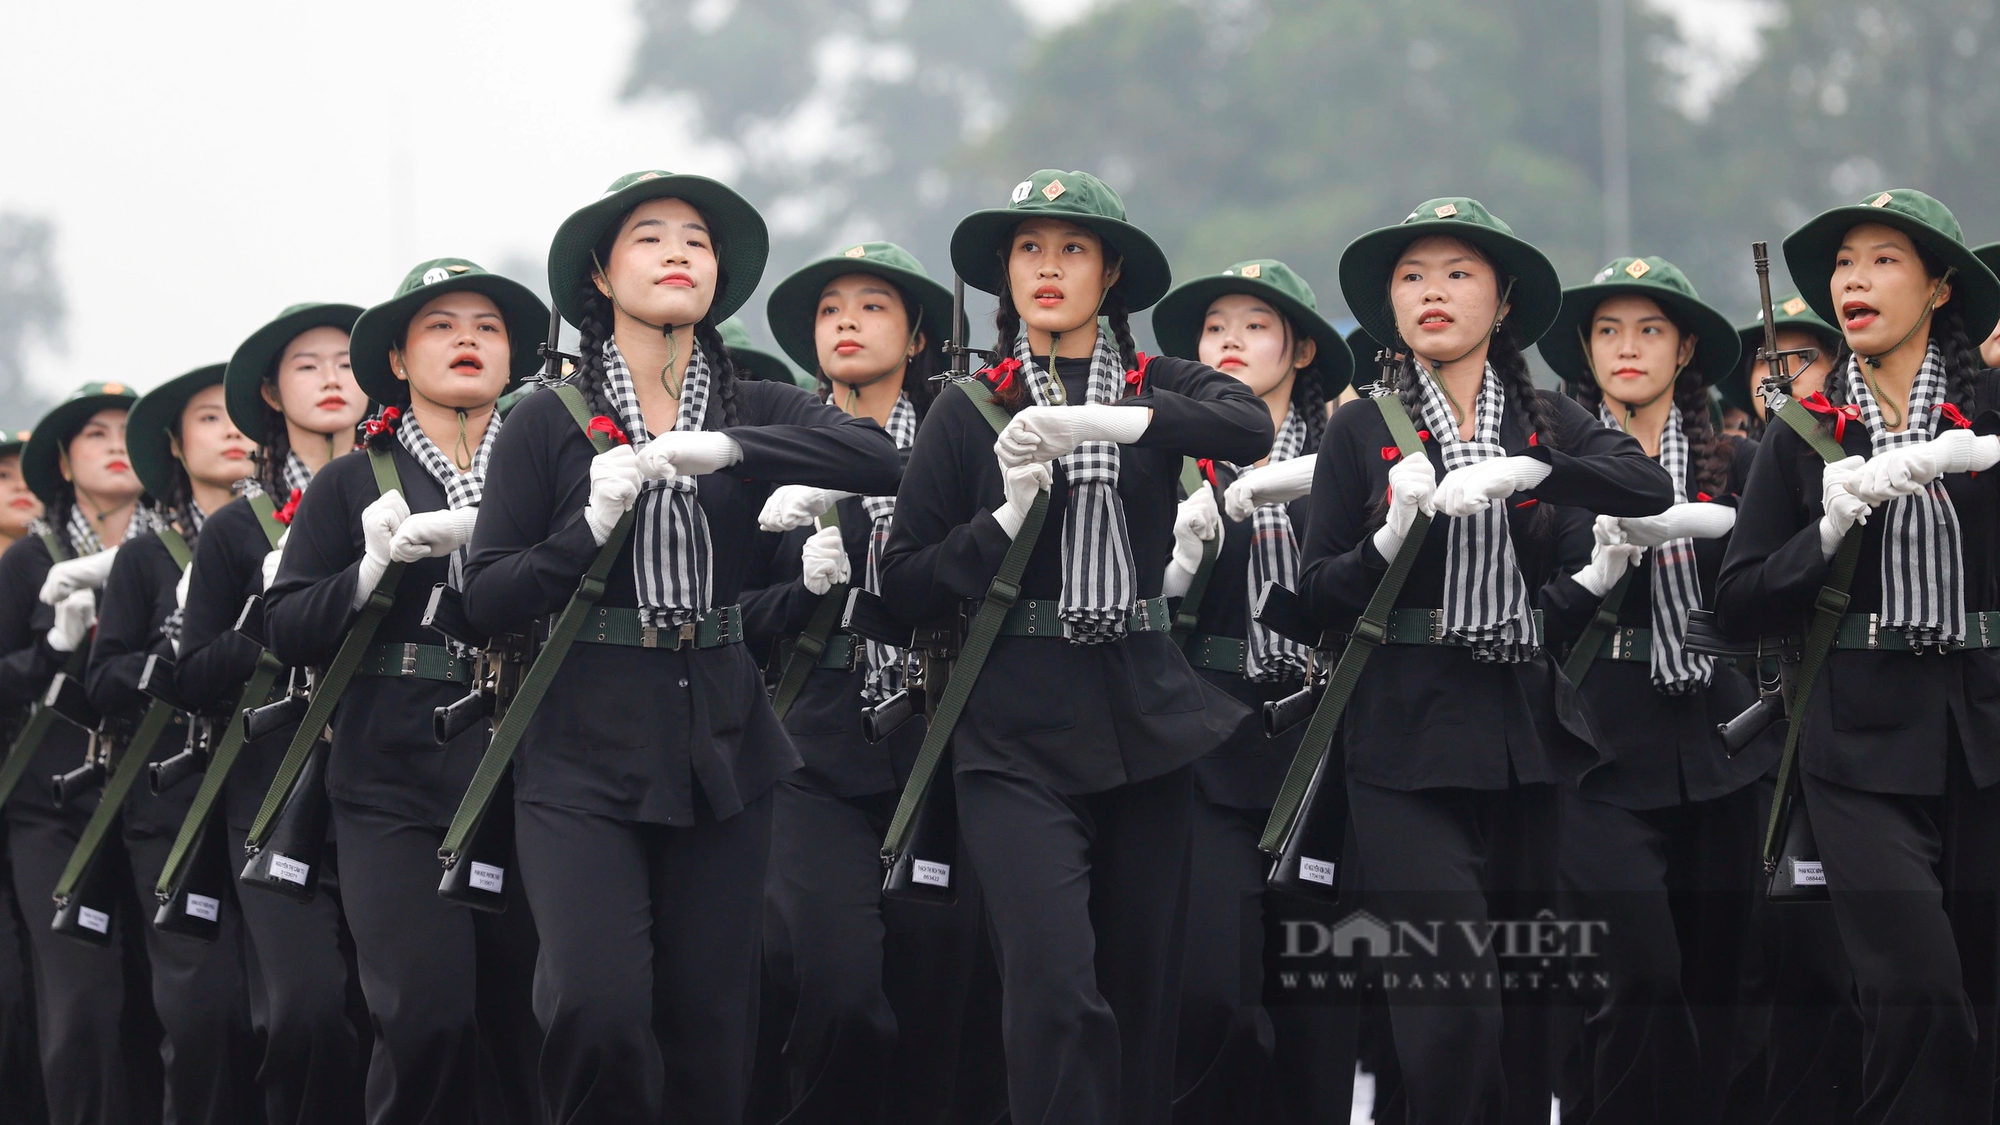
25,672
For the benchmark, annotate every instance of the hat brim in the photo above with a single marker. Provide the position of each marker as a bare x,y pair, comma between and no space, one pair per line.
1716,343
1177,321
41,457
742,241
385,325
149,428
1367,261
1143,273
243,382
756,363
791,307
1811,249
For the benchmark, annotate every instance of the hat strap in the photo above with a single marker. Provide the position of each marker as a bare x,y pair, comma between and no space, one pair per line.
1590,362
1930,308
1483,341
667,383
854,389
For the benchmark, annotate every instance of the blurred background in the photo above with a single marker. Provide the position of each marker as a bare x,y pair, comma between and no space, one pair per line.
177,173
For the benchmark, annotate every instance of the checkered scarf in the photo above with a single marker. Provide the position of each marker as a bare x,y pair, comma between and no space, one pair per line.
1274,557
1099,581
1923,570
1485,598
1676,579
80,531
885,662
672,559
295,472
461,490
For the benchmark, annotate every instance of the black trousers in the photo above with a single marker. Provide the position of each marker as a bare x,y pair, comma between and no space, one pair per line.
100,1042
1916,892
647,981
1674,887
201,993
21,1100
1471,1031
877,988
448,987
1087,901
304,997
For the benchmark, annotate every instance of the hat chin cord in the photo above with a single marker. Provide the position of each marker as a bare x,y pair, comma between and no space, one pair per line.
1056,389
667,382
1457,411
1872,363
854,388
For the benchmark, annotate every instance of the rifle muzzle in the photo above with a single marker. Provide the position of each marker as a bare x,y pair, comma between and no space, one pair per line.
274,717
169,772
880,721
77,782
1742,730
454,719
1281,715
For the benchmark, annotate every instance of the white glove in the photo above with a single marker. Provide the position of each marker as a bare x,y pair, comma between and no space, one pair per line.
688,453
1699,520
1196,522
1611,557
1843,508
796,505
1022,483
1412,486
85,573
1908,469
614,488
1044,433
75,615
379,521
1470,489
1281,483
431,535
181,588
823,560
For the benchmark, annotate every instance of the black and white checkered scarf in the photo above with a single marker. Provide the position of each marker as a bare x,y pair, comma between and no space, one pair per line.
1274,557
461,489
672,557
1485,598
80,531
295,473
885,662
1923,569
1676,579
1099,582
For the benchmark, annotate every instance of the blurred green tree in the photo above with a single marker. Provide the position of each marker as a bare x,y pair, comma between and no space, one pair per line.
31,312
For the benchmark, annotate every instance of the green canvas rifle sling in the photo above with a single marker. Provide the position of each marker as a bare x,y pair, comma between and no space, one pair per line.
509,728
1001,595
811,644
30,738
1188,616
1590,642
1369,630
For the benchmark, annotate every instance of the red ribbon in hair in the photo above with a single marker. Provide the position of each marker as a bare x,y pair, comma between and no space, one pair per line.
605,426
1004,370
284,515
1951,414
1841,415
376,427
1136,378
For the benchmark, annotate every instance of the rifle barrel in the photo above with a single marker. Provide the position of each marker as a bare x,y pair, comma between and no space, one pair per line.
960,368
1774,365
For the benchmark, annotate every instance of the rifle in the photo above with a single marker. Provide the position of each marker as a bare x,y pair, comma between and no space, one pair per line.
477,878
1777,372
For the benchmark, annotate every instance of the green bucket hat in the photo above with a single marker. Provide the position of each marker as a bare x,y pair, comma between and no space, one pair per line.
1989,254
149,428
41,455
794,302
1365,265
751,360
1076,197
11,441
741,241
385,325
1810,252
257,357
1177,319
1663,283
1791,312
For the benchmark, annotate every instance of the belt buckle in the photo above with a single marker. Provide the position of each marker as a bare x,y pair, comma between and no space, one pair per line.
409,659
649,636
1874,631
685,637
1437,626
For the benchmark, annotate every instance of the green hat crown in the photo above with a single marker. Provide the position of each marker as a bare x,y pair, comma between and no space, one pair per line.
1177,320
742,242
1650,271
1078,197
1658,280
385,326
753,362
1810,252
1365,265
41,457
792,308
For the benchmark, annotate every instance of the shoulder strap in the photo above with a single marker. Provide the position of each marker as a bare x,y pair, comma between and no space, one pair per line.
267,517
256,693
1188,616
137,751
996,415
176,546
811,643
1369,630
1583,657
57,552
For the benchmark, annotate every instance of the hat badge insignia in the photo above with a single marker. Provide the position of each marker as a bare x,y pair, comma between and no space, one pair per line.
458,269
1053,190
1638,268
1021,191
1795,306
1882,200
1253,270
856,252
114,388
435,274
1446,211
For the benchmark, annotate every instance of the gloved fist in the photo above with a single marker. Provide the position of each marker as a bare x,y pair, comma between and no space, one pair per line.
379,521
1412,489
1196,522
86,573
1844,509
1907,469
1470,489
688,453
796,505
1281,483
1610,557
431,535
1022,483
614,488
823,560
1044,433
1699,520
75,615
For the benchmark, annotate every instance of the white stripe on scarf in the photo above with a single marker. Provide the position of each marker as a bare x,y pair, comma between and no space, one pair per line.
672,557
461,489
1923,570
1676,578
885,662
1274,557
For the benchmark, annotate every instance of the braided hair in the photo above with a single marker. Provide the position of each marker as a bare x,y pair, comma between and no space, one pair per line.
1709,452
1007,319
920,374
1308,391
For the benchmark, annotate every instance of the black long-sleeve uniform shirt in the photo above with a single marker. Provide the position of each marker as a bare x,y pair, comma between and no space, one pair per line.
27,668
132,612
1080,718
627,732
1876,720
1430,716
383,754
1663,748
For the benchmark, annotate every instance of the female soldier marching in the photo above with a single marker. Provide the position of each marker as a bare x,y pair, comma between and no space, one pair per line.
441,981
1071,761
1898,734
1461,725
642,784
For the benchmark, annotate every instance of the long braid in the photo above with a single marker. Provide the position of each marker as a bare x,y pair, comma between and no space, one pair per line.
1309,403
1121,327
1007,319
1709,452
593,329
721,371
1504,354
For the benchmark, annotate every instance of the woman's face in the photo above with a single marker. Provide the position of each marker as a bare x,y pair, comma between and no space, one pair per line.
1809,381
18,506
315,388
661,267
1635,351
455,352
96,462
1880,288
862,331
1246,338
1989,349
1446,297
1057,274
209,446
